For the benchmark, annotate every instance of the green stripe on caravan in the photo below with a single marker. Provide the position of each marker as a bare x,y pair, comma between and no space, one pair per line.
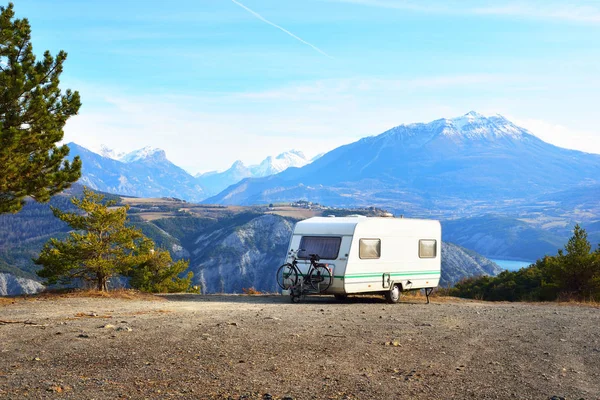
380,274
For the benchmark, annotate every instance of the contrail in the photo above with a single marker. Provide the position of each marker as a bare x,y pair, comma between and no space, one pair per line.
257,15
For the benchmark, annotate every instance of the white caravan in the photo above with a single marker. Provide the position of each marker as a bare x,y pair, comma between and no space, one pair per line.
372,254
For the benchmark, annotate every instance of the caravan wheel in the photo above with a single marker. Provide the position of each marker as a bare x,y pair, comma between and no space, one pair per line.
393,295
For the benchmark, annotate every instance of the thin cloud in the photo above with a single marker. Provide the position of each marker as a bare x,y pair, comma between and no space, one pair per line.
326,90
257,15
569,13
589,12
398,5
560,135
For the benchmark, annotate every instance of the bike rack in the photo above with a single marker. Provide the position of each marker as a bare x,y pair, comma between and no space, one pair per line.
300,290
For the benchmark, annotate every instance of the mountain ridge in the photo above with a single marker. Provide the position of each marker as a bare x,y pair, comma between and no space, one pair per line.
214,182
488,158
152,175
147,172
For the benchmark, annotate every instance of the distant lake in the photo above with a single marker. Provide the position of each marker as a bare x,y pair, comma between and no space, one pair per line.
512,265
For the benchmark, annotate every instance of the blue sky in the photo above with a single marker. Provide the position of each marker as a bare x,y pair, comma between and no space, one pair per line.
212,81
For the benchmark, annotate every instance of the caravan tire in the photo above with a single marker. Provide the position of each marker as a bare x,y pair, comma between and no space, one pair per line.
393,295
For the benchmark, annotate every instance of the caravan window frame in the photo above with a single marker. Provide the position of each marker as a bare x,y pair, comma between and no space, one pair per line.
339,246
360,241
435,252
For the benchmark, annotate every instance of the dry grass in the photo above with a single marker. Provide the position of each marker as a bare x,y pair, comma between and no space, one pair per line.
4,301
441,295
575,302
152,216
571,298
126,294
252,292
147,200
295,214
437,296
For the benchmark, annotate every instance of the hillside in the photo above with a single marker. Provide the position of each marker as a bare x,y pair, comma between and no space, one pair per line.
229,248
499,236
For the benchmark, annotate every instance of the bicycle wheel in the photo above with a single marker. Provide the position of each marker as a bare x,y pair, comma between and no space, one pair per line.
320,278
287,276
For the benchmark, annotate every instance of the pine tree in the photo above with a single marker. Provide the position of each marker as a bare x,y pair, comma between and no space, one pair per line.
575,268
33,112
100,246
157,273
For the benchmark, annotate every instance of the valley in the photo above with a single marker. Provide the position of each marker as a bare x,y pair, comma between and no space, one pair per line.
230,248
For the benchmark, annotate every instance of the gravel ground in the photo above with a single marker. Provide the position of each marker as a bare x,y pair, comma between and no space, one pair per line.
254,347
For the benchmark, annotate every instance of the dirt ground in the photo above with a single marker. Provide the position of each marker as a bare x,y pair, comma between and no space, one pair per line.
261,347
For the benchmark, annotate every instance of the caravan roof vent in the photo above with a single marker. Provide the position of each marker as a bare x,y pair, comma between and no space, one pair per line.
331,216
388,215
356,216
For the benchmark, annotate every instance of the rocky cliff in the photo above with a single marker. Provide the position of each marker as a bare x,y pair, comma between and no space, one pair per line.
459,263
230,259
11,285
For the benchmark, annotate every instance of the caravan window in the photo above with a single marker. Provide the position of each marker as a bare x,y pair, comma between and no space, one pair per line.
369,248
427,248
325,247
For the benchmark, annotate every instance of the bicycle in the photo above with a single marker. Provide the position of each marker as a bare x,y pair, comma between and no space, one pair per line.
318,276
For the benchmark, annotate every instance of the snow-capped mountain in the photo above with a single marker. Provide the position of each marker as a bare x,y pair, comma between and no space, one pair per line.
144,153
136,155
443,163
469,127
107,152
214,182
145,173
474,125
274,165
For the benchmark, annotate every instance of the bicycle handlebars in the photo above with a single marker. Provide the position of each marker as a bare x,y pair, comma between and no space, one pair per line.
313,257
